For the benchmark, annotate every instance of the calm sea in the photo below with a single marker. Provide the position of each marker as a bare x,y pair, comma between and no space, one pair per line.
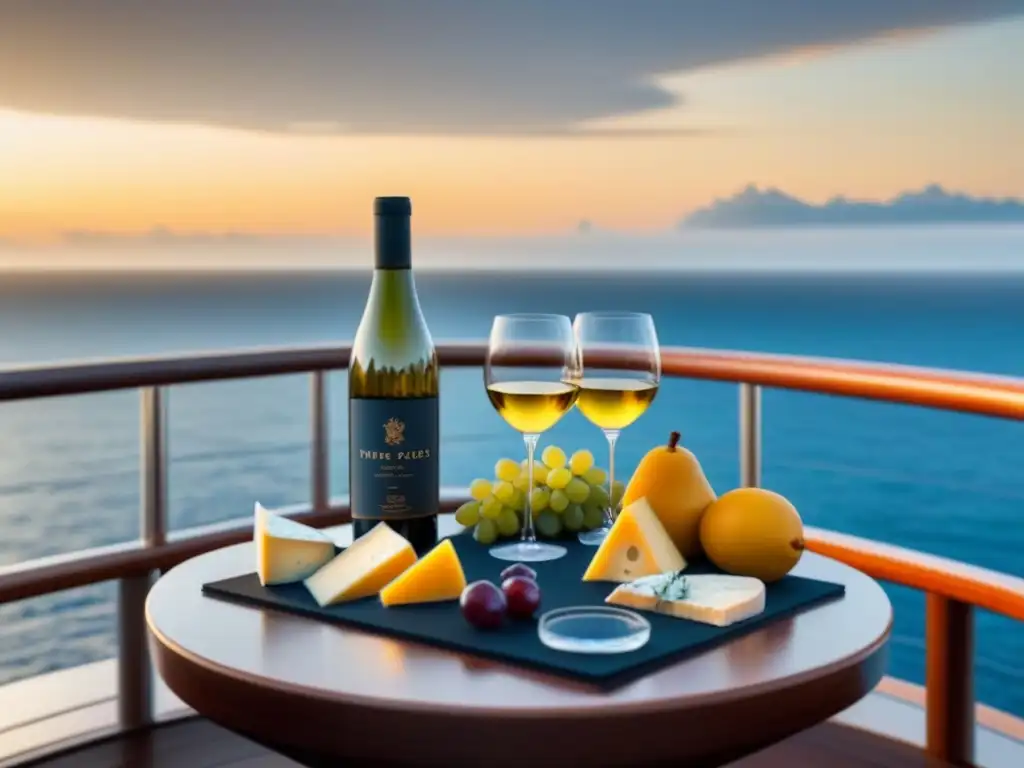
944,483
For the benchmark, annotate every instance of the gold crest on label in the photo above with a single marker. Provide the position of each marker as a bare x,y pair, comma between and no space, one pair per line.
394,431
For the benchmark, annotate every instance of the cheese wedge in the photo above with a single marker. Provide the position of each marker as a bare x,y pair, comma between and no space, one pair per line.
637,545
435,577
287,551
373,561
709,599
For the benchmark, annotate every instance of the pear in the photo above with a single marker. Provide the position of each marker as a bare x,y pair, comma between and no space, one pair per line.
753,532
674,484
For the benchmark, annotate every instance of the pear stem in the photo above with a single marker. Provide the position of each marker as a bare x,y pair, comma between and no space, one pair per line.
673,440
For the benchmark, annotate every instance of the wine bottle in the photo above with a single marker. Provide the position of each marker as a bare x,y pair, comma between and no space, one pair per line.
393,395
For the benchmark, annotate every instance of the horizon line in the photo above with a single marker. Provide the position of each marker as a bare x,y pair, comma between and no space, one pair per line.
584,226
459,270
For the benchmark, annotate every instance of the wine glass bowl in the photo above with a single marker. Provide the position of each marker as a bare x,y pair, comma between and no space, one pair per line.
531,370
531,406
620,353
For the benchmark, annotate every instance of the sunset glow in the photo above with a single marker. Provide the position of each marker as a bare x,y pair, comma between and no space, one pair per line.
867,120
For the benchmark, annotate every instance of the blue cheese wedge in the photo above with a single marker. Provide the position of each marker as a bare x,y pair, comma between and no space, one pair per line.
707,598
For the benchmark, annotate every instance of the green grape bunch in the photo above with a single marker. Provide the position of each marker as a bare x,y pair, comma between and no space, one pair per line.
569,495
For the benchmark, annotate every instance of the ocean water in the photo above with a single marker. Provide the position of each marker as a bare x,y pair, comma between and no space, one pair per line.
944,483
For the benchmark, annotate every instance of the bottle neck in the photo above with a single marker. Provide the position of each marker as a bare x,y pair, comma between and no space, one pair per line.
393,243
393,306
393,288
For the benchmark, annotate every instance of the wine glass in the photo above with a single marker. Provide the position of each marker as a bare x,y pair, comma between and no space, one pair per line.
530,373
614,396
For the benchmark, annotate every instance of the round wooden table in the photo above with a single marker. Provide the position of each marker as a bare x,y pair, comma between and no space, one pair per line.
326,695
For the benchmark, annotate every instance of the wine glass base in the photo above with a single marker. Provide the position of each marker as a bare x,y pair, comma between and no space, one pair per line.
528,552
595,537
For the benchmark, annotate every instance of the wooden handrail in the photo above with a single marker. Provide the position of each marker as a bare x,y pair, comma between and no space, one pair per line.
945,390
942,390
950,579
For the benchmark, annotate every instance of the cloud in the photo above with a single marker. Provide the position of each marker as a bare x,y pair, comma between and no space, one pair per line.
534,67
754,207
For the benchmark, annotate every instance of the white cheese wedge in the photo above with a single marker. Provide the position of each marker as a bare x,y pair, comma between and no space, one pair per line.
287,551
708,598
637,545
373,561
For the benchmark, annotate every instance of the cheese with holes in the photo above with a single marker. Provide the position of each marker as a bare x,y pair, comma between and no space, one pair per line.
436,577
637,545
287,551
374,560
709,599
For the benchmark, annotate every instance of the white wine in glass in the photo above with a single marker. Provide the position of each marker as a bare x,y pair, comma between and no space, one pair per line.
614,403
530,373
532,407
620,354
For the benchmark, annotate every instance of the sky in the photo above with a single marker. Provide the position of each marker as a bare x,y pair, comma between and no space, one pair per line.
271,119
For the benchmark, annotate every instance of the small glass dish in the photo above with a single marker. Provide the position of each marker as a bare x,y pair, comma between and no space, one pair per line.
593,629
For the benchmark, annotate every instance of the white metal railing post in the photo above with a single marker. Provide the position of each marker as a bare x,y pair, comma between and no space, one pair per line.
320,448
135,673
750,435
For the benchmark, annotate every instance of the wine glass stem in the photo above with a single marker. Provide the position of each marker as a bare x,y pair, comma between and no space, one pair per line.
613,436
531,447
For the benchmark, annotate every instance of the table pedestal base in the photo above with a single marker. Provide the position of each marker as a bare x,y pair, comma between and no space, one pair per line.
310,759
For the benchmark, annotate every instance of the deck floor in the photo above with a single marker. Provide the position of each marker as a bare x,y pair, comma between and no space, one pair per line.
197,743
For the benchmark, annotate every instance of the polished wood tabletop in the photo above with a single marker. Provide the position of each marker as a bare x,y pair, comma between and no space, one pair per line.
322,693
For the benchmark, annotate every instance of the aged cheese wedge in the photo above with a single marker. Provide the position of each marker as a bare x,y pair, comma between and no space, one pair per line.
637,545
435,577
709,599
287,551
373,560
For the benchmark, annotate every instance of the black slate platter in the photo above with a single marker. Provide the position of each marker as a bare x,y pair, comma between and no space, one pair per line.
442,625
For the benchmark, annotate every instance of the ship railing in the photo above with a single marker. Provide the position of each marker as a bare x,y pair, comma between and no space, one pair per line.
953,590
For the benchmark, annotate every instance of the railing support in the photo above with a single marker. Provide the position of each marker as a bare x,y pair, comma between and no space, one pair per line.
134,680
750,435
153,436
949,679
320,446
135,695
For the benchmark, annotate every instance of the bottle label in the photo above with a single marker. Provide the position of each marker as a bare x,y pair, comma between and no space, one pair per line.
393,467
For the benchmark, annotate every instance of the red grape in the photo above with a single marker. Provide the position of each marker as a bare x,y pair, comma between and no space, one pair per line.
522,595
518,569
483,605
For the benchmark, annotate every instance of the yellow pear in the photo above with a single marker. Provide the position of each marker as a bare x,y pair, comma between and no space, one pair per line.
672,481
753,532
